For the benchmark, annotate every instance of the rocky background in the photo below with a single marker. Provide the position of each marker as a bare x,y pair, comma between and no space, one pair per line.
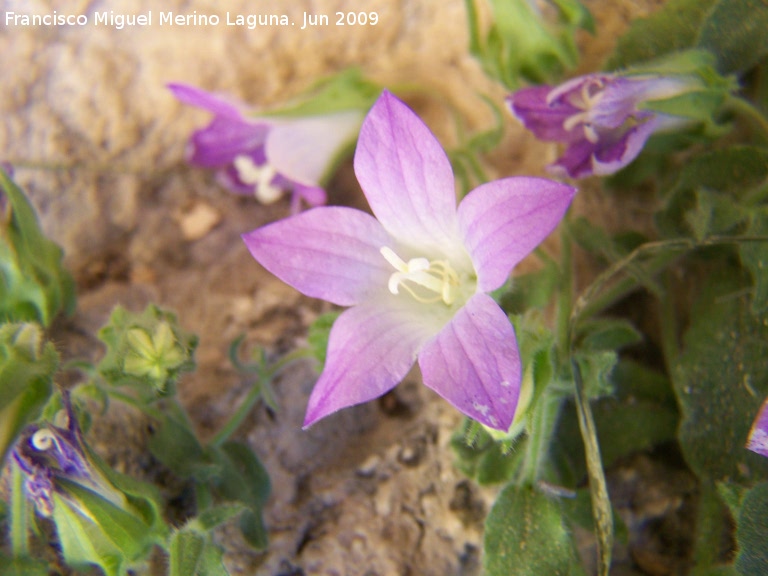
97,141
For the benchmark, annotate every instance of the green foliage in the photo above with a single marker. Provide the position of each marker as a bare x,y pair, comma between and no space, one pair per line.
191,550
521,45
733,31
243,480
721,378
714,192
318,334
641,413
752,532
27,366
525,534
347,90
34,287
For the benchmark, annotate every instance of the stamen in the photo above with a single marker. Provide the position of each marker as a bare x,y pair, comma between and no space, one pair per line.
585,101
260,177
426,281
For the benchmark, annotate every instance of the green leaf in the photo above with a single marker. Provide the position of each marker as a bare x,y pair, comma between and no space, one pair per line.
347,90
23,567
674,27
525,535
721,379
732,173
533,290
735,31
125,530
34,286
184,552
752,532
174,444
642,413
244,480
318,334
192,552
27,367
754,257
82,543
521,44
605,334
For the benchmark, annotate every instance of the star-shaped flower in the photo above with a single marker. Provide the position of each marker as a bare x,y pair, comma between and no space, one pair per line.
599,117
266,156
417,276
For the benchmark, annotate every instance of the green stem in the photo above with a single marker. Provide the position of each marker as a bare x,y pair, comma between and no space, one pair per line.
565,295
709,528
19,528
542,422
260,388
150,411
668,321
598,488
749,112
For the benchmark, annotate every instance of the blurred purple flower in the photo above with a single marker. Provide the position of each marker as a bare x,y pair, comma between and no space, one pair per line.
46,453
599,117
758,435
417,278
266,156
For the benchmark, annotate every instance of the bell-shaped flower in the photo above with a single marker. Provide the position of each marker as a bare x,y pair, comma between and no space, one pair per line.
758,435
416,276
266,156
599,117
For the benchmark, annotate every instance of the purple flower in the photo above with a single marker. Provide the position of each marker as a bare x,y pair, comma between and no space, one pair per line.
267,156
417,278
598,117
758,435
47,453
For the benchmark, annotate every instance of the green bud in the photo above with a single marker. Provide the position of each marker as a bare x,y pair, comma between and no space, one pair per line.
27,366
35,286
149,347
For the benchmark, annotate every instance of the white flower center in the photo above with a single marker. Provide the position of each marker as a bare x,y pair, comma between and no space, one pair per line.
427,281
258,176
588,98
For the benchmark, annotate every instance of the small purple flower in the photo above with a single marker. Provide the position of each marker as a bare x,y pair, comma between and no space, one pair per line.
758,435
46,453
267,156
598,117
417,279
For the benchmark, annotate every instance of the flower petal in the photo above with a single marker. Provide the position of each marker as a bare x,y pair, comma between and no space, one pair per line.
223,139
330,253
304,149
532,109
758,435
502,221
612,158
474,363
371,348
406,176
218,105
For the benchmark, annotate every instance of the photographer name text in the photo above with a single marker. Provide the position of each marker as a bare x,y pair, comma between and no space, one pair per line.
250,21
